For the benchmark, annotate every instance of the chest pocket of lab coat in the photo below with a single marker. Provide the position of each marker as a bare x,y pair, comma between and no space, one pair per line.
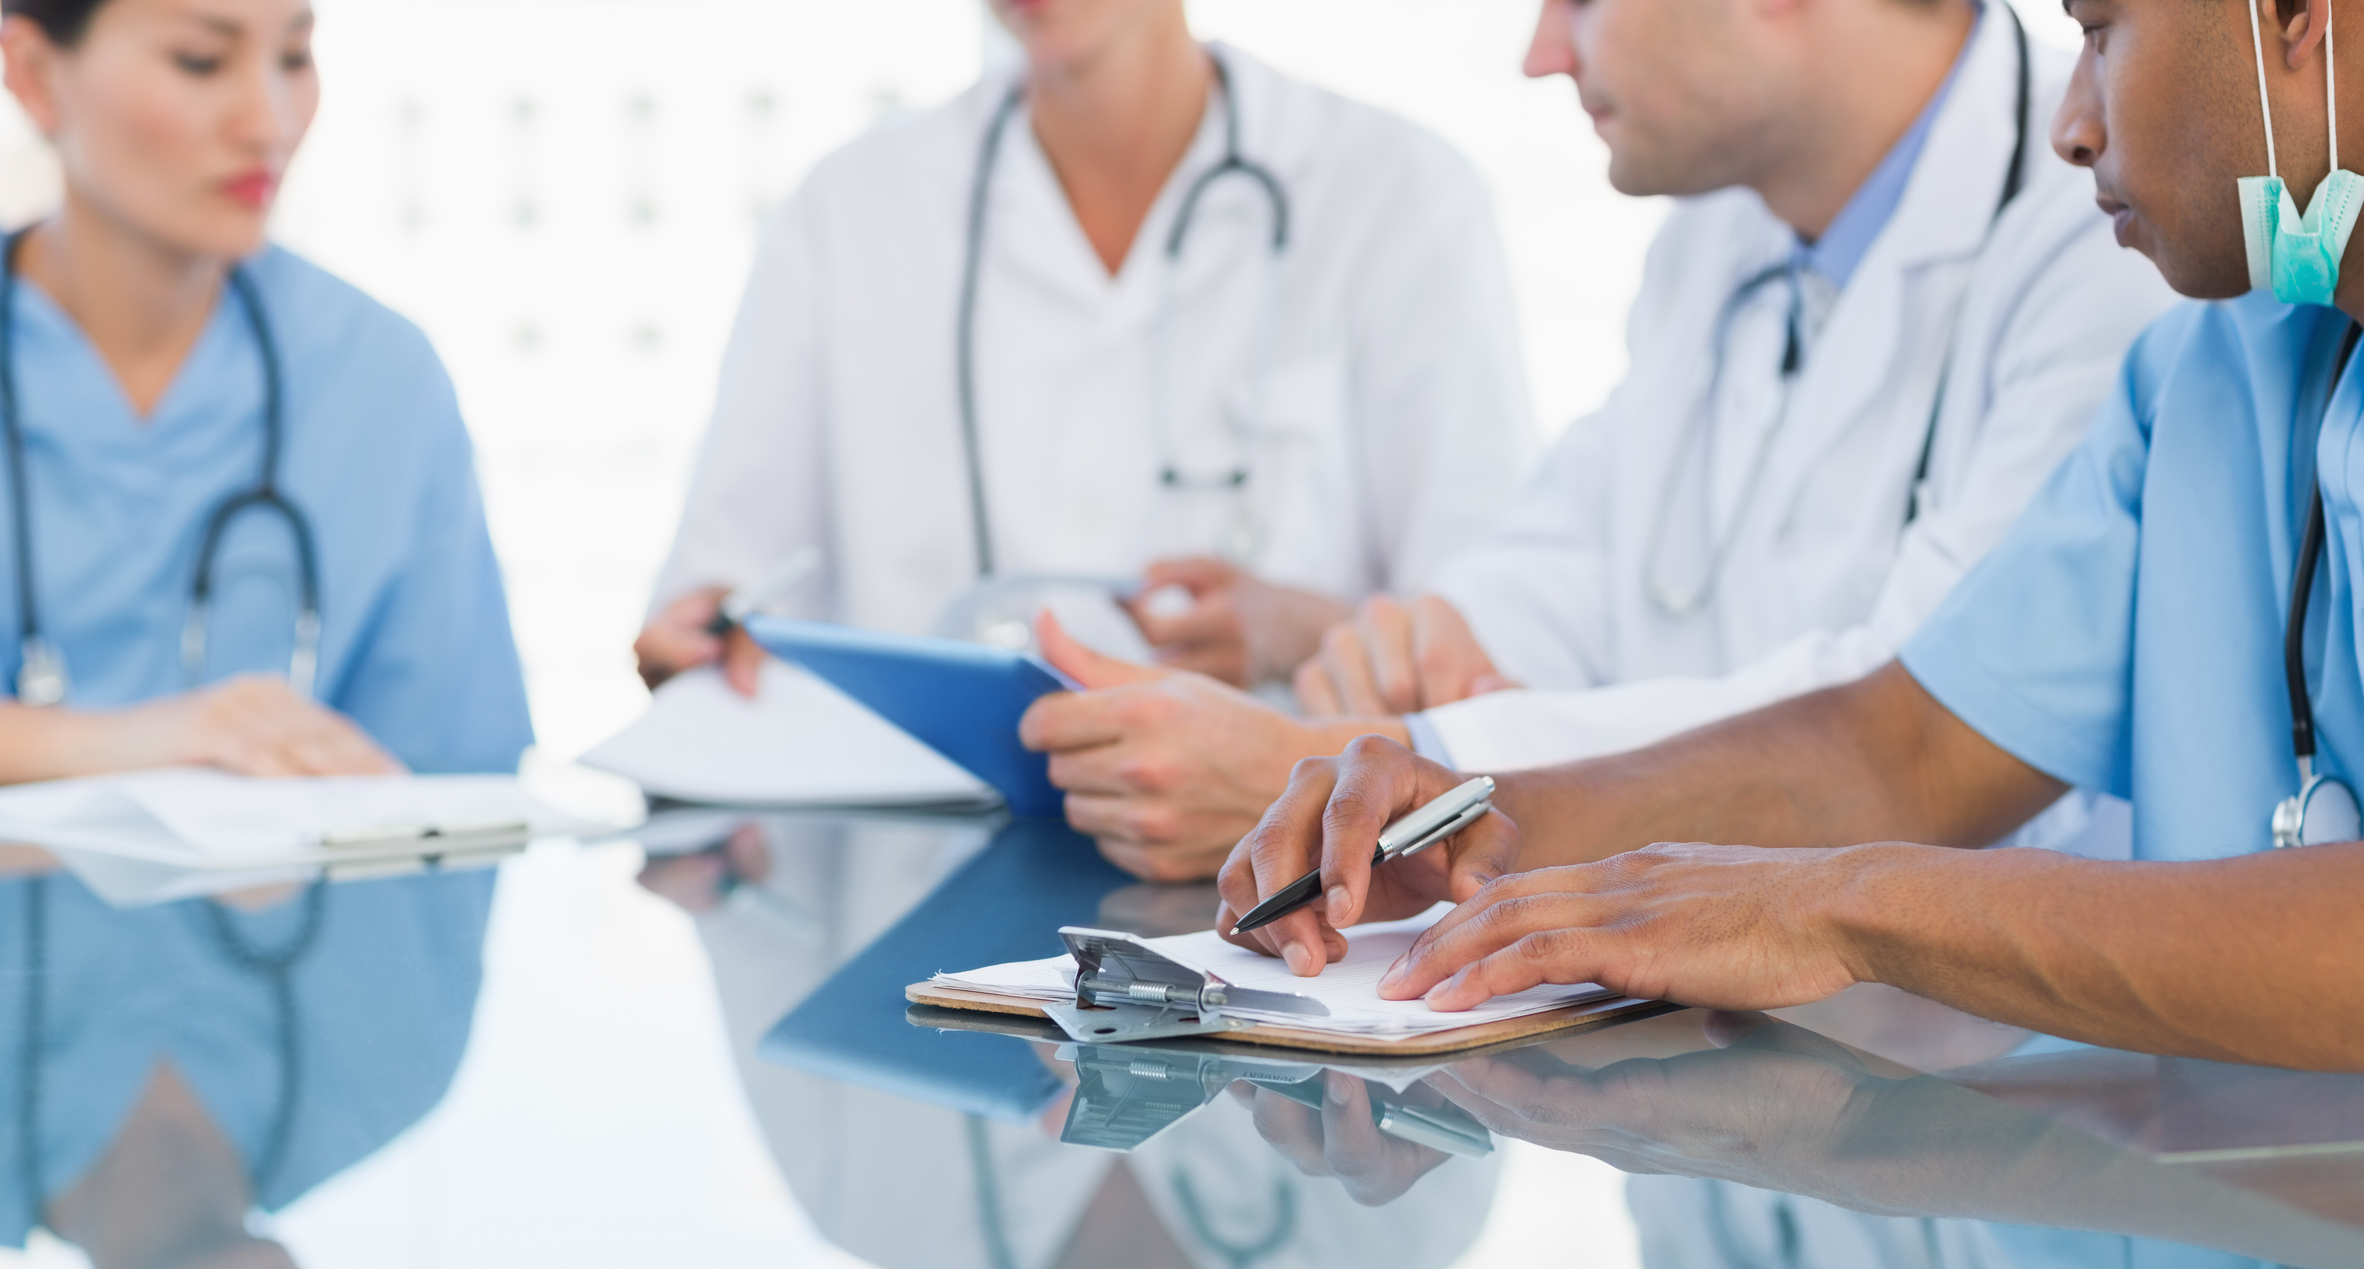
1293,422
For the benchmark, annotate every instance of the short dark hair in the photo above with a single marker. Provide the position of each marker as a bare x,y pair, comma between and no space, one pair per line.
63,21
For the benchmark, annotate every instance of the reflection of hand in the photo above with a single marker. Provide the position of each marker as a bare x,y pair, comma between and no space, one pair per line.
1341,1140
1783,1109
1396,657
700,882
680,637
1769,1111
1726,927
1166,770
253,725
1331,815
1239,628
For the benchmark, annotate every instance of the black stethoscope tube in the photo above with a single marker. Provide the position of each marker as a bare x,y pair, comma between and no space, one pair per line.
2302,593
972,262
43,680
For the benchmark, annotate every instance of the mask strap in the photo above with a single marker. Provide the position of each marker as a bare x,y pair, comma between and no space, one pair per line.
2257,42
2330,81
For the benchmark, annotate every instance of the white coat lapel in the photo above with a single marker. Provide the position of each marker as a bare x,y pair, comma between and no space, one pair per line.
1876,363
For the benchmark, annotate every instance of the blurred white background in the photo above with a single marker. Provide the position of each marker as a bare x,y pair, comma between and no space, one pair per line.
565,193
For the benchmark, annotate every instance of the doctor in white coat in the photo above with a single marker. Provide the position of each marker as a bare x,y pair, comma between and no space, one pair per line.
1881,316
1137,308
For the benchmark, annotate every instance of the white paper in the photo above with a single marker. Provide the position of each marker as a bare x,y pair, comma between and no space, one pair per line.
800,742
208,820
1349,988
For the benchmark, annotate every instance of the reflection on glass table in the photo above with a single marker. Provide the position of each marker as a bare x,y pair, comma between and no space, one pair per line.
920,1149
184,1082
168,1070
1874,1129
1757,1141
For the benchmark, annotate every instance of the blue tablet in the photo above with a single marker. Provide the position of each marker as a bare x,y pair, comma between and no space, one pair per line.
962,700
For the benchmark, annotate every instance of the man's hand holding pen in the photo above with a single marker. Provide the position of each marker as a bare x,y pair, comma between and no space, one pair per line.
1331,816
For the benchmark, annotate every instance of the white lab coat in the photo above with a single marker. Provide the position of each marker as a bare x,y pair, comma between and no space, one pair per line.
1824,581
1368,377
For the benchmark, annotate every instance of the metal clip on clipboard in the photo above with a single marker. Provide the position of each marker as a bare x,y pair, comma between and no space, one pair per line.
1128,990
392,849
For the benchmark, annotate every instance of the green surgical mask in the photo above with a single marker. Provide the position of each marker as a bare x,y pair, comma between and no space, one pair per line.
2294,254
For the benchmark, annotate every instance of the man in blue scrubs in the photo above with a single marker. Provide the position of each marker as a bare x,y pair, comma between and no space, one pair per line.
2128,637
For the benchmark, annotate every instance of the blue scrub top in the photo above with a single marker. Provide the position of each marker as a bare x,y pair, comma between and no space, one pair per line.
384,1002
415,639
2126,636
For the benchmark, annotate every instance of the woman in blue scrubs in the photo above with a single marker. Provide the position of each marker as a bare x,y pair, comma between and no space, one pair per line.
171,379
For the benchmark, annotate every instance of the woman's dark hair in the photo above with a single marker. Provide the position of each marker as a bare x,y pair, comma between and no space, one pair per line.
63,21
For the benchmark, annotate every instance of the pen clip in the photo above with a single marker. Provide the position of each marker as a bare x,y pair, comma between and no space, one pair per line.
1469,815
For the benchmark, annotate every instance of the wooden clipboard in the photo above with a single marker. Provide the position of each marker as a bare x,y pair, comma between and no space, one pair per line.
1591,1013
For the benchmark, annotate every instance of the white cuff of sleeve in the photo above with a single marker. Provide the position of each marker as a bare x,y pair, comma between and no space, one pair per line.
1427,741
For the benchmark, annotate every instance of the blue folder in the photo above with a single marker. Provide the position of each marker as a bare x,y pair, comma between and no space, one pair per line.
962,700
1007,904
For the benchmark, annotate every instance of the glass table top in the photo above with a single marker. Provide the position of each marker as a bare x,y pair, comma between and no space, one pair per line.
701,1054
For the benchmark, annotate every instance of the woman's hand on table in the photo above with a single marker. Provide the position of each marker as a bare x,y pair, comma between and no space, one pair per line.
252,725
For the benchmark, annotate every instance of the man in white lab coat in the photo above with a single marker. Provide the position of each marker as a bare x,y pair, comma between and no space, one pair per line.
1882,314
1219,328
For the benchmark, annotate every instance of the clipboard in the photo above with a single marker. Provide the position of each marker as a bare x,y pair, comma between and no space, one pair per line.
962,700
1009,1013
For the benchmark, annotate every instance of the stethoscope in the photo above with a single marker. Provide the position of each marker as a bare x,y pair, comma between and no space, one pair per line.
2324,809
274,967
1170,474
1685,604
42,678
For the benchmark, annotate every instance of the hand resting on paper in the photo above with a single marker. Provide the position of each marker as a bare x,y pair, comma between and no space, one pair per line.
252,725
678,638
1726,927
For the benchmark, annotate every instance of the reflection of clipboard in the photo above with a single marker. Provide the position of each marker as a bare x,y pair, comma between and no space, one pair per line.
995,1013
1126,1094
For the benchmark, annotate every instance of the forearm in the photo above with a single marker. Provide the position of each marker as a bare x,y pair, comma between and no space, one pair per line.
57,744
1873,760
2250,959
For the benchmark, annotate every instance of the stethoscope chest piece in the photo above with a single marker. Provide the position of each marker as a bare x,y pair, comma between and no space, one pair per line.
41,680
2323,811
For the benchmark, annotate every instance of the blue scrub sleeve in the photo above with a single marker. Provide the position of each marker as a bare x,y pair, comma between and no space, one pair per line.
2034,649
437,680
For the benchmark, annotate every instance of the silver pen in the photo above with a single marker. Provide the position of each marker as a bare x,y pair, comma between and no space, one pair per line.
746,601
1416,832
